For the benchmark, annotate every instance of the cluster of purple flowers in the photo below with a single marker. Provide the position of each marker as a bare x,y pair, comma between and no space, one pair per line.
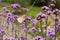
58,27
26,26
50,33
15,6
38,38
40,16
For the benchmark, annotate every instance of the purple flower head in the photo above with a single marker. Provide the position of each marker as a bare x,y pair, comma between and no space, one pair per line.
4,8
2,25
8,20
27,18
45,8
41,15
38,16
33,21
7,11
12,39
56,11
13,11
50,33
52,5
28,26
25,9
22,25
15,17
58,27
9,14
10,17
23,37
48,12
56,19
1,14
2,32
53,1
25,29
38,38
33,30
7,38
15,5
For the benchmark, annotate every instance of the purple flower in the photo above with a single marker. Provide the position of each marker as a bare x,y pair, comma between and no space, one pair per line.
2,25
48,12
25,29
56,19
33,21
40,16
2,32
7,38
15,5
56,11
22,25
58,27
27,18
53,1
9,14
13,11
33,30
25,9
8,20
38,38
15,17
23,37
52,5
7,11
28,26
4,8
45,8
50,33
12,39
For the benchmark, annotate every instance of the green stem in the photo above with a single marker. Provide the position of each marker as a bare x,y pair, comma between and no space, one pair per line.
41,27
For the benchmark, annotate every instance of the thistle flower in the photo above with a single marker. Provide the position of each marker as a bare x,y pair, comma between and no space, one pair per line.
50,33
52,5
38,38
15,5
45,8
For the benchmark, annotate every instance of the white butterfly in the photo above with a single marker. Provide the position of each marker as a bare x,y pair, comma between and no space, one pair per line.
20,20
